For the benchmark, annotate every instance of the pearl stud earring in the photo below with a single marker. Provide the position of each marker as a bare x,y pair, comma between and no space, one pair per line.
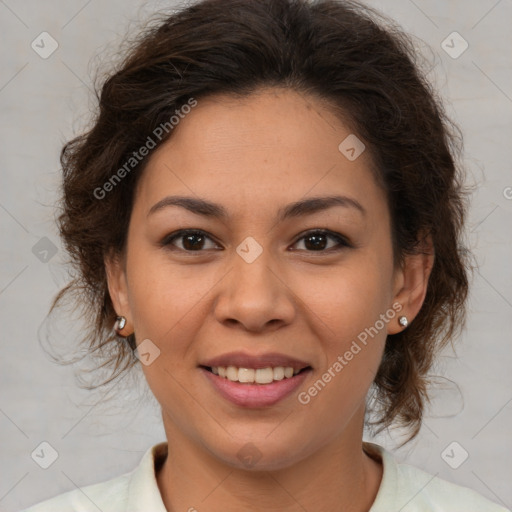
120,324
403,321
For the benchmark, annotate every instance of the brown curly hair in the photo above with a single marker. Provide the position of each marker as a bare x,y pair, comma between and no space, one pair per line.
345,53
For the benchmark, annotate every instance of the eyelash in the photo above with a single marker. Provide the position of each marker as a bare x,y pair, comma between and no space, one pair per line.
343,243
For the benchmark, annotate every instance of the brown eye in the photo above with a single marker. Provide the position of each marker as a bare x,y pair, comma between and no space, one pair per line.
318,241
191,240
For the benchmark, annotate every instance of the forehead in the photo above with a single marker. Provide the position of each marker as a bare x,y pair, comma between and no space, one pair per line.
258,152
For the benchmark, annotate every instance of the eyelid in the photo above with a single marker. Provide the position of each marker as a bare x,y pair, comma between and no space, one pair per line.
342,241
167,240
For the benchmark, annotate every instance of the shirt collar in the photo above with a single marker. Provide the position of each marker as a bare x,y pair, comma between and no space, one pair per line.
144,493
387,492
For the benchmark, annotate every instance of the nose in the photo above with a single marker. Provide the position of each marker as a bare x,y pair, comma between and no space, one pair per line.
255,296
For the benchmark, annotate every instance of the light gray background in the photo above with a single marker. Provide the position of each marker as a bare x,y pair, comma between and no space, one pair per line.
44,102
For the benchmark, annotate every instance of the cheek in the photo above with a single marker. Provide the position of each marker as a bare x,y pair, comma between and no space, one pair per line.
163,295
348,299
352,338
348,308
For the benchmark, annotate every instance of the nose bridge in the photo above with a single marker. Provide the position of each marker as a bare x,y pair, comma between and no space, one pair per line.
254,295
252,267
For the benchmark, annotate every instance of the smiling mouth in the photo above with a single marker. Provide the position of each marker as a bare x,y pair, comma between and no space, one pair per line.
255,375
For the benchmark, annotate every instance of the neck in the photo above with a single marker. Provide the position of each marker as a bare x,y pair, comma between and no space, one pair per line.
340,476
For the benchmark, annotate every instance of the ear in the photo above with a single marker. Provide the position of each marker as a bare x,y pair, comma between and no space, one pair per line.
411,281
118,288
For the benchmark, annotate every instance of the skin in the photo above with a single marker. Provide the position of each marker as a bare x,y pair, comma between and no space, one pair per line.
254,156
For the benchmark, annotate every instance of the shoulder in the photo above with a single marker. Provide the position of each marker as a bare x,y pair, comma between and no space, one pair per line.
445,495
136,490
106,496
410,489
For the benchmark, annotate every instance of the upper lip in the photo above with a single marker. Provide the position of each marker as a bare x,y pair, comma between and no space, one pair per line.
243,360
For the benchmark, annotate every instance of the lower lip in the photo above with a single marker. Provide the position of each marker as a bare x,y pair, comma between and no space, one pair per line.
255,395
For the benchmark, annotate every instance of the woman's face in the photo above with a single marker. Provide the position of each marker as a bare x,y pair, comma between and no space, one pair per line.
259,286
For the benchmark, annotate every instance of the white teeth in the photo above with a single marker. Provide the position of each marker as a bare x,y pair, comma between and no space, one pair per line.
279,373
251,375
246,374
264,375
232,373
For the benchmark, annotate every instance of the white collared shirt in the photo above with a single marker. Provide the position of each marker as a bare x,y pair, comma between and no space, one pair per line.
403,488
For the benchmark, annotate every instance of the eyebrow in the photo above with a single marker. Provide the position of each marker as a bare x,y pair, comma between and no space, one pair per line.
292,210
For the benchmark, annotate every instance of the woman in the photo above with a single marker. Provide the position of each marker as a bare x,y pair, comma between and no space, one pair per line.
267,216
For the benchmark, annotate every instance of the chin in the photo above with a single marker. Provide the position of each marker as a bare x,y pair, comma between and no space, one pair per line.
259,452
